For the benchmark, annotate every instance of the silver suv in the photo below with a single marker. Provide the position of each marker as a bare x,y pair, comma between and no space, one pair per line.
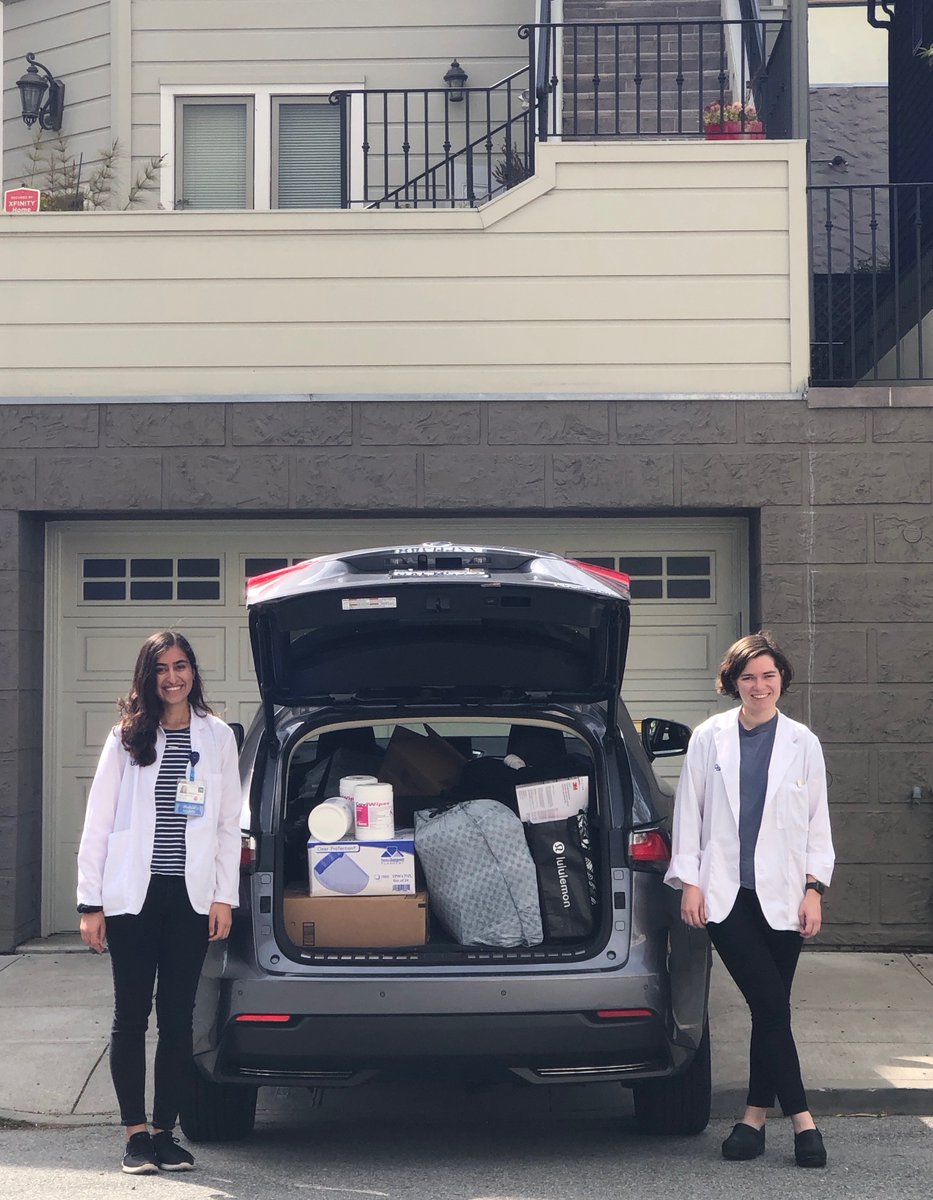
490,667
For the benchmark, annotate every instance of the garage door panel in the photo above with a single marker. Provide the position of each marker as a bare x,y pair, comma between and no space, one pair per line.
246,674
692,584
656,648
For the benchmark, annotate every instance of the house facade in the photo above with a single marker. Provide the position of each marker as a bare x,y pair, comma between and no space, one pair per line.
360,300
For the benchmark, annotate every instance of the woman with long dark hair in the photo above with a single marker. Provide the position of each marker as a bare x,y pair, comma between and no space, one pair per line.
753,854
157,880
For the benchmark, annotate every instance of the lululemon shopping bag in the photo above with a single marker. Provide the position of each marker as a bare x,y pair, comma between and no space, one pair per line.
566,883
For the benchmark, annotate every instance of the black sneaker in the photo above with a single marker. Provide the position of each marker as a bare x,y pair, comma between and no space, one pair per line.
809,1150
169,1154
745,1141
139,1158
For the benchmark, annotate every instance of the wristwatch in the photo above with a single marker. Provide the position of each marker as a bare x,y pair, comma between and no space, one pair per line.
815,886
90,908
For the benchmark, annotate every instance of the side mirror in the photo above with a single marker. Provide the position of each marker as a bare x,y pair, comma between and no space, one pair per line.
239,733
662,738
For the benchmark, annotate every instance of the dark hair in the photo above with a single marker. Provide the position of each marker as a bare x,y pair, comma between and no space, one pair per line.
141,709
741,653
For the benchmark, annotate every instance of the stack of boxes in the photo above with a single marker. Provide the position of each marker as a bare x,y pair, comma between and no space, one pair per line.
361,873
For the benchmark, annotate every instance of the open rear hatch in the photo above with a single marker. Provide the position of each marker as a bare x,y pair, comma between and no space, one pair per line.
385,638
438,623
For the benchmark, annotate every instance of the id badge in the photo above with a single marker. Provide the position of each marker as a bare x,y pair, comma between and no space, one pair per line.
189,798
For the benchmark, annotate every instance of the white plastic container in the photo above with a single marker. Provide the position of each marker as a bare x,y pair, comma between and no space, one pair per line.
374,812
350,783
331,820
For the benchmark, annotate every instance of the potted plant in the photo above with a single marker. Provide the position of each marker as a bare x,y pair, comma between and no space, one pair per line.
733,120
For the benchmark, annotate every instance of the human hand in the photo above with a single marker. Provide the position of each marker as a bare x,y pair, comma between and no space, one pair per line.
693,906
219,921
811,914
93,930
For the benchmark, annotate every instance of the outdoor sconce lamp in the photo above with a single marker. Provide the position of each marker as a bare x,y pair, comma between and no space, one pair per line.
32,90
455,79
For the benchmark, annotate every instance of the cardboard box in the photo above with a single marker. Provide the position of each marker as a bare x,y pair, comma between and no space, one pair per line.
420,765
351,868
376,922
553,800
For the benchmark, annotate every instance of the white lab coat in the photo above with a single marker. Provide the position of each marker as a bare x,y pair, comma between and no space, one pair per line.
115,855
794,840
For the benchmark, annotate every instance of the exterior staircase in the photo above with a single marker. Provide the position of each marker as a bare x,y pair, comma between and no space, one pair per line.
652,79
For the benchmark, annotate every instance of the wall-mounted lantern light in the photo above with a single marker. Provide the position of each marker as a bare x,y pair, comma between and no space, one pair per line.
455,79
33,88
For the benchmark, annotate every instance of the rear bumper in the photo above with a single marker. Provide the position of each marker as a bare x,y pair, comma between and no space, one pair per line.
325,1050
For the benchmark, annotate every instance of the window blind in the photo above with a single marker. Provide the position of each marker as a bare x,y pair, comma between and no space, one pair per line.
215,156
309,155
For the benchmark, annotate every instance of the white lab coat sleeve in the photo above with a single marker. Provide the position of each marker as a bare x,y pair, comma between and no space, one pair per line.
821,857
227,860
99,819
687,824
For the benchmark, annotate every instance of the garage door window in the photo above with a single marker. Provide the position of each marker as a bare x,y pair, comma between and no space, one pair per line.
145,580
662,576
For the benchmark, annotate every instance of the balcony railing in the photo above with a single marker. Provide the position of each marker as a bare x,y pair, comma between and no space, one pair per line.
649,79
872,275
583,80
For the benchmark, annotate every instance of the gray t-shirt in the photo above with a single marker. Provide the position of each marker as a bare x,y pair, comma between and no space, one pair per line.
755,746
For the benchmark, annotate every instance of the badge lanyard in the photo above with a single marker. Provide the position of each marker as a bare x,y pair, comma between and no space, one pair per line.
190,794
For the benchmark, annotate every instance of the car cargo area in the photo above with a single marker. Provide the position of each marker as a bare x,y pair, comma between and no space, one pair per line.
439,840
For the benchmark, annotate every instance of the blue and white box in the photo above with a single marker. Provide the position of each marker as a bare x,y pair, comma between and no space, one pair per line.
351,868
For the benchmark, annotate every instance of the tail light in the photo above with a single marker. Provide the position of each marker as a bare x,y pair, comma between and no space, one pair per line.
649,849
263,1018
248,847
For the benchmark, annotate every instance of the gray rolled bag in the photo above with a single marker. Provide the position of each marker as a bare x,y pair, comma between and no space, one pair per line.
481,878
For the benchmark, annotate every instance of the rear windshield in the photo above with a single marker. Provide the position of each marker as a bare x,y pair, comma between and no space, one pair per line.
439,642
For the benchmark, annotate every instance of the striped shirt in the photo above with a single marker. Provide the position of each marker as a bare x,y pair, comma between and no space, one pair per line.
168,851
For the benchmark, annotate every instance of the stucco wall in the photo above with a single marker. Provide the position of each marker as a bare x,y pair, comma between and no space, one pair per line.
841,498
619,268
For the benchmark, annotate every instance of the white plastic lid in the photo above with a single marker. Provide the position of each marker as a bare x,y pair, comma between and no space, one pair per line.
350,783
331,820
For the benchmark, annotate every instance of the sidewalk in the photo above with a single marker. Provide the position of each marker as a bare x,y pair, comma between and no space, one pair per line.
863,1022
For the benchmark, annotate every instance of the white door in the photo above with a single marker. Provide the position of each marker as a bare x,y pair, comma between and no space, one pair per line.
110,584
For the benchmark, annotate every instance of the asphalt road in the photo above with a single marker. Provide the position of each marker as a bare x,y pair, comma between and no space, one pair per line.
310,1155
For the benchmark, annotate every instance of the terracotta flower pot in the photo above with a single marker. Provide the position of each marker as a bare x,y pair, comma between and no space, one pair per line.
731,130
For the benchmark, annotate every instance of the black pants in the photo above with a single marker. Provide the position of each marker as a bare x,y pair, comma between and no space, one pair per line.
166,939
762,961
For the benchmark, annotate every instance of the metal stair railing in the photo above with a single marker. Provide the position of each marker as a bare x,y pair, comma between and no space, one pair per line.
599,79
872,274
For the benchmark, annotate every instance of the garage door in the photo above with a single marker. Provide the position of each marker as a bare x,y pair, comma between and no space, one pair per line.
109,585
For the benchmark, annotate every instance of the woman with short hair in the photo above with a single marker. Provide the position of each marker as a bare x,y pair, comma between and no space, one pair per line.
158,876
752,854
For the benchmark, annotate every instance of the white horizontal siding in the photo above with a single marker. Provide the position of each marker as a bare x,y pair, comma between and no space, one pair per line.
72,39
586,278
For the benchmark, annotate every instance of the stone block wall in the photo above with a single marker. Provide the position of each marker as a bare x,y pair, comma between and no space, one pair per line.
842,506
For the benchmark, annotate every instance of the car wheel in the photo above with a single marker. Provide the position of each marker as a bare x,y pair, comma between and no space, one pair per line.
217,1112
680,1104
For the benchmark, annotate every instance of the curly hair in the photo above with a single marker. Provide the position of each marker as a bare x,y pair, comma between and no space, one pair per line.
141,708
741,653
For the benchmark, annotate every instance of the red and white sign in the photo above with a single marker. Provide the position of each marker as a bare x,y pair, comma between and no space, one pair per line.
21,200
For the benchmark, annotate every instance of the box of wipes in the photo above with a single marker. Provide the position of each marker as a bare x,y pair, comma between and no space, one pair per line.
352,868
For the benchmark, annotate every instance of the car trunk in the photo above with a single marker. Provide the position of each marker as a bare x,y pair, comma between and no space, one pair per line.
414,654
487,778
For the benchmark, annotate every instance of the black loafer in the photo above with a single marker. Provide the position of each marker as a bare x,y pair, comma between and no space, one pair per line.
745,1141
809,1150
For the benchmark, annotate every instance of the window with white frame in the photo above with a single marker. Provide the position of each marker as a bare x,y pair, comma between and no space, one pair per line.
259,148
